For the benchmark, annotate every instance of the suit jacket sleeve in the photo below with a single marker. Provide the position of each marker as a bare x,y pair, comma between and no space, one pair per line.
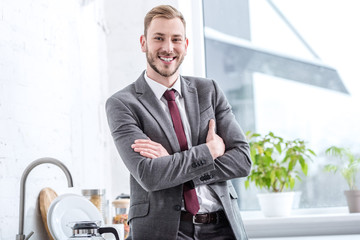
236,160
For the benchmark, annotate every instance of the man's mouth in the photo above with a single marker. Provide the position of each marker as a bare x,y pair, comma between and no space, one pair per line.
167,59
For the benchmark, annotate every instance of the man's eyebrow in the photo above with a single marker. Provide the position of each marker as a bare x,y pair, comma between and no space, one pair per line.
159,34
162,34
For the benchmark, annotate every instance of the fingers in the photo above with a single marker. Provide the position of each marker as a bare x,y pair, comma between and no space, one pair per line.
214,142
147,154
141,144
212,125
144,141
211,132
148,148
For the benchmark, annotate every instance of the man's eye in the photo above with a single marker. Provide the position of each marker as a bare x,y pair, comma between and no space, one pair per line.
177,39
158,38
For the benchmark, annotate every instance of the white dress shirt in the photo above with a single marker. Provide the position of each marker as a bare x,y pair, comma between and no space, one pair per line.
207,199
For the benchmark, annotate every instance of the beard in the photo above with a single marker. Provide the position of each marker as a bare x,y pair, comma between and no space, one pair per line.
165,72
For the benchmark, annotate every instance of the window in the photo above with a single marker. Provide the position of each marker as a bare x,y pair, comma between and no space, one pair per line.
290,67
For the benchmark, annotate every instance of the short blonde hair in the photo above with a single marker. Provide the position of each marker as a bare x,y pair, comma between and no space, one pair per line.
162,11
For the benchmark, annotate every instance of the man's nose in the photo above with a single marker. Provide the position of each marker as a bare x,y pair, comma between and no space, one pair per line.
168,46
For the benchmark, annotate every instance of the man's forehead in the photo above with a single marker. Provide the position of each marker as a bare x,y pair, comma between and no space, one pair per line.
165,26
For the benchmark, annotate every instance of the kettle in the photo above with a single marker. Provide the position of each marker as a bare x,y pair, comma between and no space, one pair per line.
90,230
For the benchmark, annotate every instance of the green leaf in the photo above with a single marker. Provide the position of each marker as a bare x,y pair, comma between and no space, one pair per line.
312,152
278,173
292,164
247,184
331,168
292,183
304,166
272,176
278,147
305,169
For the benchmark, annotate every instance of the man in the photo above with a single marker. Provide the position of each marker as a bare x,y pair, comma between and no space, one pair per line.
180,146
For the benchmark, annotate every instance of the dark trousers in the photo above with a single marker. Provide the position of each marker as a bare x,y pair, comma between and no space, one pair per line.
211,231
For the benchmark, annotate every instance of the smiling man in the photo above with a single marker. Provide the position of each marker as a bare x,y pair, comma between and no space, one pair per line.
180,141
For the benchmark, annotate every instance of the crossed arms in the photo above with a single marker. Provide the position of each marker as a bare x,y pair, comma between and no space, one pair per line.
149,155
151,149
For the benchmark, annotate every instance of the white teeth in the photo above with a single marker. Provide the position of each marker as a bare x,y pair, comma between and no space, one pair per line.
166,59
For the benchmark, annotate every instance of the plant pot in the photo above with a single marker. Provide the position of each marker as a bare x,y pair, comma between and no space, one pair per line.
276,204
297,199
353,200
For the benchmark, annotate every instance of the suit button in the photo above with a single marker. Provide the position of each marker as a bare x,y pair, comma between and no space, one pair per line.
203,162
194,165
205,177
177,207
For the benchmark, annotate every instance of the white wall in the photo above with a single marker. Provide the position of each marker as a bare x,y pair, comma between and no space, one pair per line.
59,62
52,71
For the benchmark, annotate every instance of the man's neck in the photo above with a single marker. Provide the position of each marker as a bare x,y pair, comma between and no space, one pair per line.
166,81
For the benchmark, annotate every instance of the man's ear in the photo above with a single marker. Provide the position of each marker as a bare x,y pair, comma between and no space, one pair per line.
143,43
186,45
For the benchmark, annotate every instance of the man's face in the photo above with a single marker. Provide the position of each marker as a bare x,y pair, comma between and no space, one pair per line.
165,46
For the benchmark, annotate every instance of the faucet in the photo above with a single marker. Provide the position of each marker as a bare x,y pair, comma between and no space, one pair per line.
26,172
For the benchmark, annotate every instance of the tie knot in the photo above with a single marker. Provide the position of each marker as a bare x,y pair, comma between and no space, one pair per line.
169,95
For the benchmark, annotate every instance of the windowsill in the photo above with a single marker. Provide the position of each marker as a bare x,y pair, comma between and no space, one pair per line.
303,222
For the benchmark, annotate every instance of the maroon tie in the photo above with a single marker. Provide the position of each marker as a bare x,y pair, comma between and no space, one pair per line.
190,198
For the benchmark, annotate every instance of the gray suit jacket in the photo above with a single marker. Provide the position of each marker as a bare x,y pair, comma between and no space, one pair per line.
156,184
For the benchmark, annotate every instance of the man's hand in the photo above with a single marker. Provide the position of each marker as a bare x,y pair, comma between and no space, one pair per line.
214,142
149,149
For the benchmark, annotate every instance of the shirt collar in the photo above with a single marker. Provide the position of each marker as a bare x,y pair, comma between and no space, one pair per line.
159,89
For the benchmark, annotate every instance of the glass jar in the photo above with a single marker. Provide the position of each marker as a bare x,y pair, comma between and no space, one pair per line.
120,216
98,198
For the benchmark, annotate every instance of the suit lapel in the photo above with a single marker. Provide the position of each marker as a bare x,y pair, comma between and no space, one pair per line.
149,101
192,108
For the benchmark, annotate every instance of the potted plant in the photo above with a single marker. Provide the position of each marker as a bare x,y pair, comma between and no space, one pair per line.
277,164
349,167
